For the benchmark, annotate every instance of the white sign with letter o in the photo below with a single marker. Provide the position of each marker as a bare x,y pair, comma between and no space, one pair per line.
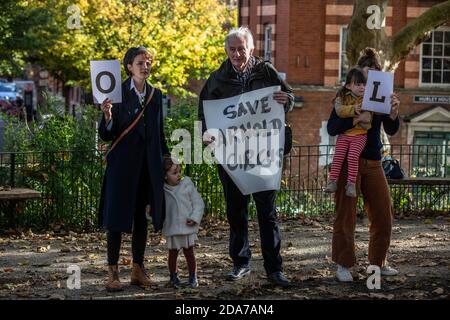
106,81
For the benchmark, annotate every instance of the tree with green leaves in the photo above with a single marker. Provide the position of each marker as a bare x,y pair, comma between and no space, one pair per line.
22,32
186,37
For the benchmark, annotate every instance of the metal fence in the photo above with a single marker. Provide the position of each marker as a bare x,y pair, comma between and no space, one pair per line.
70,183
422,161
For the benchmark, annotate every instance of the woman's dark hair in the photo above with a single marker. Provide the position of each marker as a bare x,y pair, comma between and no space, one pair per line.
369,58
354,75
133,53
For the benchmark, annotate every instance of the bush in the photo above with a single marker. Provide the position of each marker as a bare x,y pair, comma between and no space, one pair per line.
57,156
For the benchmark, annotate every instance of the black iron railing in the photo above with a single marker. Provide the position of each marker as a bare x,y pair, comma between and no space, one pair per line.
69,181
70,184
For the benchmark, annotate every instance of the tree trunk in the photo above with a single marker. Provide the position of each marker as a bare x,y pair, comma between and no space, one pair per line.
360,36
363,32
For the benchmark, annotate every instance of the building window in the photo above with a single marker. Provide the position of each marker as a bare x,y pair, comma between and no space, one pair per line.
435,59
431,154
343,62
268,42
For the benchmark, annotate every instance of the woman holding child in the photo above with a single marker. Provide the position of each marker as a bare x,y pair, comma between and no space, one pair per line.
371,182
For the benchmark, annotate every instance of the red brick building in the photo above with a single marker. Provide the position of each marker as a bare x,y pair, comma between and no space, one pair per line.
305,40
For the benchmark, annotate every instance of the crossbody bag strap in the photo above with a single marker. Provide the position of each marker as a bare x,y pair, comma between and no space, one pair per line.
132,125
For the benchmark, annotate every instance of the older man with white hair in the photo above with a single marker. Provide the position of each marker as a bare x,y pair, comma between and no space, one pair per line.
242,72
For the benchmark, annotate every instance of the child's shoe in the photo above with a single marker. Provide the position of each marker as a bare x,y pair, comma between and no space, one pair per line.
174,280
193,282
331,187
350,190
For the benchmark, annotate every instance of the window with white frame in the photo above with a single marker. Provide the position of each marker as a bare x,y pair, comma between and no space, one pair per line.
343,62
431,155
435,59
267,42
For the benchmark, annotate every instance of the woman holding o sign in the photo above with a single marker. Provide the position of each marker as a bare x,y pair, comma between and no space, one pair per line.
134,173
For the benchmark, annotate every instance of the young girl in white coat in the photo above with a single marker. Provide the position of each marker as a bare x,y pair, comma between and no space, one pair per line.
184,211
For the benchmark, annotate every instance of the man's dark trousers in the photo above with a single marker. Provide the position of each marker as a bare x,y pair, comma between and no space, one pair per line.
237,215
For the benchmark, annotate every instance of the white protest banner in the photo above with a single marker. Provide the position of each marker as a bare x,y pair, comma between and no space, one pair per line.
377,95
249,138
106,80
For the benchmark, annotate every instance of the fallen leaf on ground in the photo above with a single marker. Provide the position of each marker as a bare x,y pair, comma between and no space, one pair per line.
23,294
438,291
428,264
381,296
41,264
417,294
322,272
43,249
427,235
300,278
300,297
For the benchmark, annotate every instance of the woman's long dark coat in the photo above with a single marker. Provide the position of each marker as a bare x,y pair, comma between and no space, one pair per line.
125,162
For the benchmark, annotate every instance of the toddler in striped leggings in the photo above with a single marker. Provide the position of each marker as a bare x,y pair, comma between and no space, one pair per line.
351,143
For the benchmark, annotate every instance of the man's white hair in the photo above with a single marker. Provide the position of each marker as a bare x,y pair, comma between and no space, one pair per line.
241,33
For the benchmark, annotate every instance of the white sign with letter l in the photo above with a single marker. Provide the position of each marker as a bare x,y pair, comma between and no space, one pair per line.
377,96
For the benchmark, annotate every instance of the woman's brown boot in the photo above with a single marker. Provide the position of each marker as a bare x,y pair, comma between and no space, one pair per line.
113,284
139,277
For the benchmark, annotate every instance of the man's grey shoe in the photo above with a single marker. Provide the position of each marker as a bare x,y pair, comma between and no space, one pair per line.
278,279
238,273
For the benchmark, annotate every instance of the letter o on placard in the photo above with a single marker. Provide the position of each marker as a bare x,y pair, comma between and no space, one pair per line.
113,81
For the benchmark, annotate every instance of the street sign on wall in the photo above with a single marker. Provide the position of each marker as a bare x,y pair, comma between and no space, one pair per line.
432,99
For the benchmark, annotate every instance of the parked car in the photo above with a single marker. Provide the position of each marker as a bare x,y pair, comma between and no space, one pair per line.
8,91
